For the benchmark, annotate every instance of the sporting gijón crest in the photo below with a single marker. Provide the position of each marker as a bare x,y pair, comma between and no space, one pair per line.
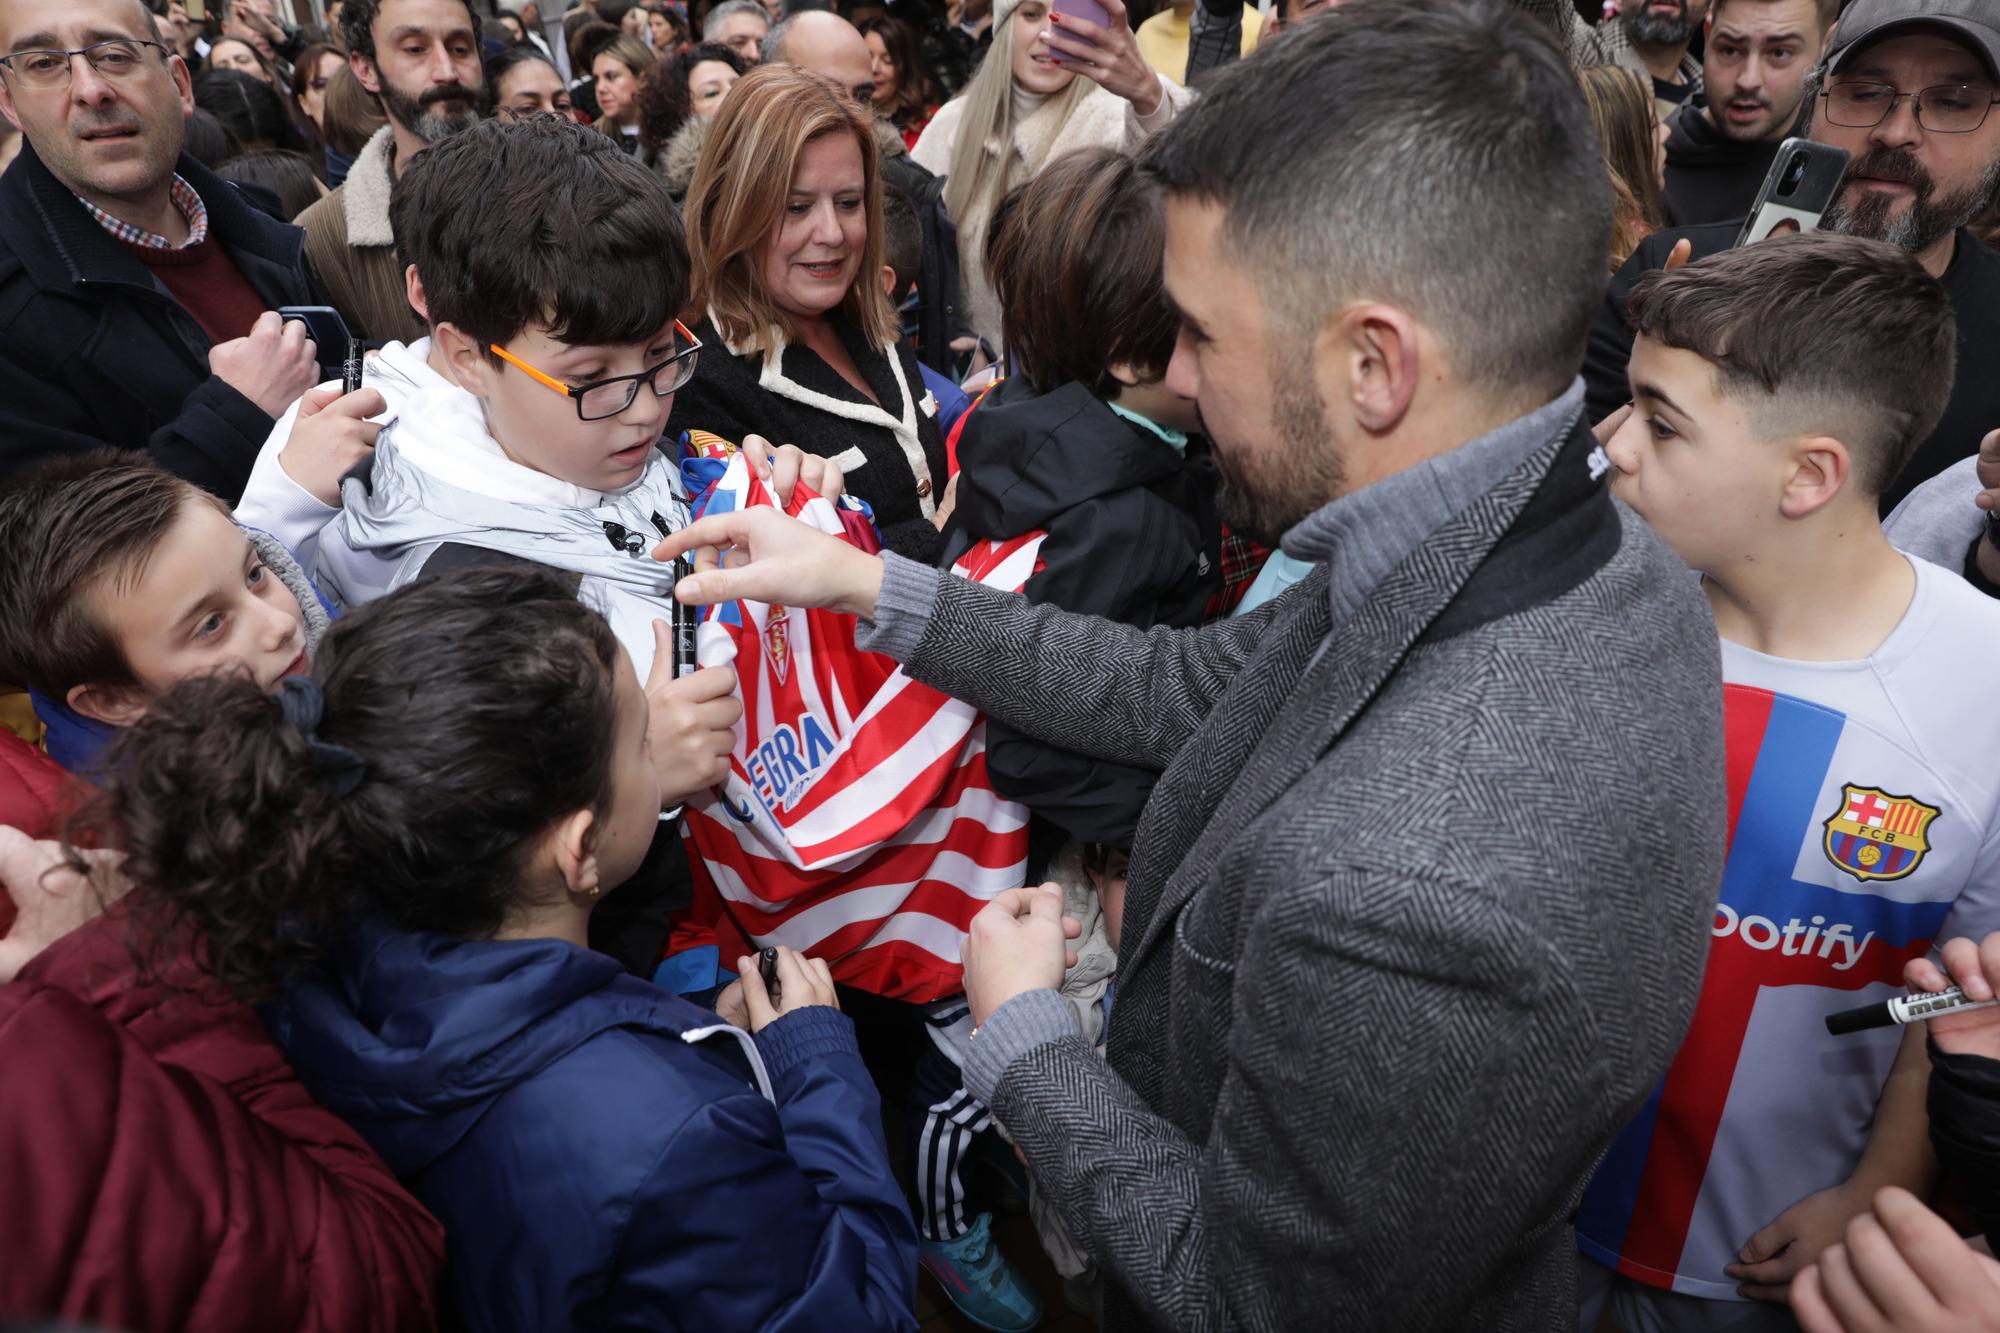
778,642
1874,835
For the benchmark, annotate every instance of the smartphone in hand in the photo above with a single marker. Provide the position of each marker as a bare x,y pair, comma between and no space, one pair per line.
1801,183
1088,10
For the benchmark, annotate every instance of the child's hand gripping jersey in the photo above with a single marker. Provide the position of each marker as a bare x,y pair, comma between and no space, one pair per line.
857,824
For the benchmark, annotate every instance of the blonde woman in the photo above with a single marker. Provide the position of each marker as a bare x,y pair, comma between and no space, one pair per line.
784,220
1027,105
1635,152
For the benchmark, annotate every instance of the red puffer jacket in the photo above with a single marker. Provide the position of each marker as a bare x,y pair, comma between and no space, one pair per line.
162,1168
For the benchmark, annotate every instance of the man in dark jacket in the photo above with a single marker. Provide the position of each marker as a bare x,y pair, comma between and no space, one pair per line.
1916,178
134,283
1754,77
1418,910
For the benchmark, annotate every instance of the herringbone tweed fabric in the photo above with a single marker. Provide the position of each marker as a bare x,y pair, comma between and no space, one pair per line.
1411,931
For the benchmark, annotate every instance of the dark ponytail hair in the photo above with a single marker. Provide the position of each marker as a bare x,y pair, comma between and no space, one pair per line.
482,706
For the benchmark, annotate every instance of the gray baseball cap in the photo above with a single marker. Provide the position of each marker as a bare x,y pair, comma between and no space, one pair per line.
1865,22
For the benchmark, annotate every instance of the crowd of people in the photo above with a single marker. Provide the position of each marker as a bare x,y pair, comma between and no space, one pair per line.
656,659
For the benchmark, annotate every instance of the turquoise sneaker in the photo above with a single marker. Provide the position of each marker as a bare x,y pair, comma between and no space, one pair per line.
977,1279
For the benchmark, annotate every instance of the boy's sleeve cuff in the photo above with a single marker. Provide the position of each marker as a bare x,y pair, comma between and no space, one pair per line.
1031,1019
902,611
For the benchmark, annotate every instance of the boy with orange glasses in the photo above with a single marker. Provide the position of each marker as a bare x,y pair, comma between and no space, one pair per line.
534,433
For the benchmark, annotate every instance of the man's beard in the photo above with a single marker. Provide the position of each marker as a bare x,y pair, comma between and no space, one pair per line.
1263,498
438,113
1645,28
1930,216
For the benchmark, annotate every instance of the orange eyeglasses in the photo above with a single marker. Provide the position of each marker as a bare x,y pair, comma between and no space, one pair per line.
605,398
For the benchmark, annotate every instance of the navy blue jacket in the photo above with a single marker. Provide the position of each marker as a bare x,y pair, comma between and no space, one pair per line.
604,1154
95,352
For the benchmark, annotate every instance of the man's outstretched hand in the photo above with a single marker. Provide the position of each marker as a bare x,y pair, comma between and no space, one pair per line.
760,555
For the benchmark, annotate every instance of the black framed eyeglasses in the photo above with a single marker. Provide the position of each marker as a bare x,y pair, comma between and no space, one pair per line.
606,398
116,59
1948,108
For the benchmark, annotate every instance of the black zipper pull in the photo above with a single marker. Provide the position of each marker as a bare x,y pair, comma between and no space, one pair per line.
623,538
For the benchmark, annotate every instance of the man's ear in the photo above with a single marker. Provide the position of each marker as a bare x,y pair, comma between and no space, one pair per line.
364,69
464,359
1821,468
114,708
177,69
574,843
1366,356
1125,375
889,280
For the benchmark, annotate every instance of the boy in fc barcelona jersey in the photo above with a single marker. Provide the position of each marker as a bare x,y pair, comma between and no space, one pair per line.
1777,390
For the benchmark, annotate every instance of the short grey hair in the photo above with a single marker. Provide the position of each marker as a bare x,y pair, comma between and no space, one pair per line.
773,49
730,9
1436,155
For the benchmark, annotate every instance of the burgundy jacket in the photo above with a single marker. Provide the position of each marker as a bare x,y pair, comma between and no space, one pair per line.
162,1168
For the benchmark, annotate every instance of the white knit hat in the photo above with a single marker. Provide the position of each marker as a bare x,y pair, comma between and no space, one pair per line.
1001,10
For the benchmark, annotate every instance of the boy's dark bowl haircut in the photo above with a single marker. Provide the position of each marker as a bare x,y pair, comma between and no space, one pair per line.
1077,258
1826,334
541,223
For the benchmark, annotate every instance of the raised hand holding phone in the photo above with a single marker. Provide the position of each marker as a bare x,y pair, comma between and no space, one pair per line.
1801,183
1104,50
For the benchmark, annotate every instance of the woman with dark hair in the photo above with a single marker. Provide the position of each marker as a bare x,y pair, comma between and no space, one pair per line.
677,104
208,140
248,108
311,74
287,175
234,53
521,82
666,30
905,94
399,855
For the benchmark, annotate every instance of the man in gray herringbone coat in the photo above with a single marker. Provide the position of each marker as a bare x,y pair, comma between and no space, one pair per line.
1418,909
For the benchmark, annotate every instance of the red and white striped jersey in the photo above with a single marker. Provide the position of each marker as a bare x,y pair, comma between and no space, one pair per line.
857,824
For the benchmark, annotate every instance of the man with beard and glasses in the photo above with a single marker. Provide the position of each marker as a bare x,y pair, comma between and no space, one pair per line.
1417,911
1907,89
135,285
422,58
1754,72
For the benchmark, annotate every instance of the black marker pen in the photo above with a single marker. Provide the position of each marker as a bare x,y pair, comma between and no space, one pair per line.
684,624
1913,1008
350,369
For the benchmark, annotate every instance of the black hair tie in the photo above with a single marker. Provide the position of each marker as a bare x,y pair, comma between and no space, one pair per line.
338,768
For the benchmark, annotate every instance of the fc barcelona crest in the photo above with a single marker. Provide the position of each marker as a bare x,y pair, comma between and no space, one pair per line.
1873,835
778,644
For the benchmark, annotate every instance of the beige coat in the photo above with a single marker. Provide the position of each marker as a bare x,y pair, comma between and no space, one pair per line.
1101,119
352,250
